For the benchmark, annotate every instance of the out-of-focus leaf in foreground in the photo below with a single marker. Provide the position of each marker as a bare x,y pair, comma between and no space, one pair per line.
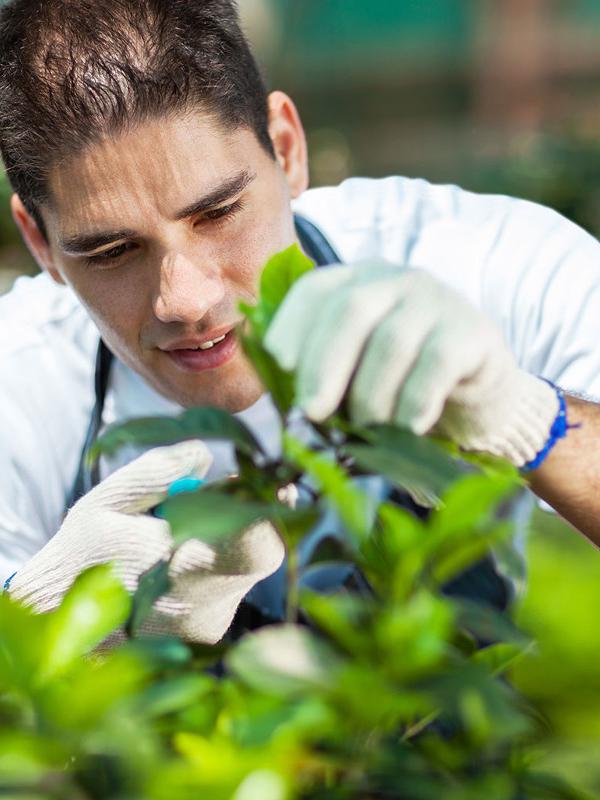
197,423
284,659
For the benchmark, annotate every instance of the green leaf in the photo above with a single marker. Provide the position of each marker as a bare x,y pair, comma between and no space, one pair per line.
262,784
162,651
394,555
469,504
498,657
278,277
212,516
281,273
493,466
451,558
154,583
543,786
25,759
22,641
176,694
283,660
278,382
196,423
94,689
414,463
496,702
420,629
487,624
355,508
266,718
95,606
345,618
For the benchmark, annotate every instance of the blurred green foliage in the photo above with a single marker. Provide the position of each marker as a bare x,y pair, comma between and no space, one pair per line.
8,230
15,260
397,691
331,35
562,172
561,674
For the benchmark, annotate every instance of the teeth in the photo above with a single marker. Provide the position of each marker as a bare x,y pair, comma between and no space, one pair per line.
209,344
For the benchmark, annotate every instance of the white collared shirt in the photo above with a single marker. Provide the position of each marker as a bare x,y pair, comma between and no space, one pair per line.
536,275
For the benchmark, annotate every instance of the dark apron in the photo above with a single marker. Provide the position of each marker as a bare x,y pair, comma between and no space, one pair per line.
266,602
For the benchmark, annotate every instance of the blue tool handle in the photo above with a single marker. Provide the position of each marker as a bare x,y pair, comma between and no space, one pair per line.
184,485
180,486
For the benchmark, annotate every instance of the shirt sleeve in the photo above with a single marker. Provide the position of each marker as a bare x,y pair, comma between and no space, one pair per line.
541,284
41,430
25,525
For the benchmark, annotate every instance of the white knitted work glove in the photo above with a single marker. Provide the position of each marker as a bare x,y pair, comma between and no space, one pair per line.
408,350
112,524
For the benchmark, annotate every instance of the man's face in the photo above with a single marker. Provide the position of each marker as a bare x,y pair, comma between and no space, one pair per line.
161,231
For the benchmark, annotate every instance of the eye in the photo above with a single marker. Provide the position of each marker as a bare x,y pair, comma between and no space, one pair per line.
221,214
110,256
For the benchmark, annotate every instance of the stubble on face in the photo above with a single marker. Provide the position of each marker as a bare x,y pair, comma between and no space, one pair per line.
178,278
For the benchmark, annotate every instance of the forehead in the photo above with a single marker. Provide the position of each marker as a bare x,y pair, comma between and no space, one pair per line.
152,169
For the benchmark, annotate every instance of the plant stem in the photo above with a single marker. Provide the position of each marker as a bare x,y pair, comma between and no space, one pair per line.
293,593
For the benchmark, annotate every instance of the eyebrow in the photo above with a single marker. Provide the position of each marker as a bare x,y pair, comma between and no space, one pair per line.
224,192
86,243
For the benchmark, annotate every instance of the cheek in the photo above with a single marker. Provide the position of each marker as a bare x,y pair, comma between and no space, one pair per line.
263,236
115,301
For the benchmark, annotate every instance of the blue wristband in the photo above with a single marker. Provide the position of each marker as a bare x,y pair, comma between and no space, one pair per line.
6,586
559,430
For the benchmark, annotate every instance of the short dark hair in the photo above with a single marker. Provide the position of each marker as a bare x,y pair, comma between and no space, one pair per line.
72,71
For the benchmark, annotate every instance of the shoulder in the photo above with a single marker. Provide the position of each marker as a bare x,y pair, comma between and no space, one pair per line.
37,308
47,347
470,241
412,204
414,211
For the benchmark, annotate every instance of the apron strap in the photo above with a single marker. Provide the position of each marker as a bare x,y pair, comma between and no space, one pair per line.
314,243
87,477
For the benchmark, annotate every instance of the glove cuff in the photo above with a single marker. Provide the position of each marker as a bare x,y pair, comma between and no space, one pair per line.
525,431
559,430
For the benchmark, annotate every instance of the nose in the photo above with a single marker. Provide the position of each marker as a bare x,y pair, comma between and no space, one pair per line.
187,289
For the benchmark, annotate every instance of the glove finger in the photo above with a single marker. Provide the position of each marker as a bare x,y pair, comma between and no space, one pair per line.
144,483
133,543
258,550
335,344
206,597
444,361
390,354
216,600
296,316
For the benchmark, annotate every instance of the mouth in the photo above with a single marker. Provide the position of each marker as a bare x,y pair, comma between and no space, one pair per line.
198,355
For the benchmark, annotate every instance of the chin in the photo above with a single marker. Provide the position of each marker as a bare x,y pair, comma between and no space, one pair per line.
238,396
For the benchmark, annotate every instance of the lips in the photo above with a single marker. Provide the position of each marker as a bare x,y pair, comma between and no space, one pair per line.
186,354
196,342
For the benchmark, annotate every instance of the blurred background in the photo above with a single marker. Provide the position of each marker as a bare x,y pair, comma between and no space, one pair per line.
497,96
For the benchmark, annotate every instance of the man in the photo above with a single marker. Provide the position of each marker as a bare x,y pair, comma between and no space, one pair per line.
153,179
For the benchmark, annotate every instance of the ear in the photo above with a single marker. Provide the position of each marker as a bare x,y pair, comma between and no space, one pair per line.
289,141
33,237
